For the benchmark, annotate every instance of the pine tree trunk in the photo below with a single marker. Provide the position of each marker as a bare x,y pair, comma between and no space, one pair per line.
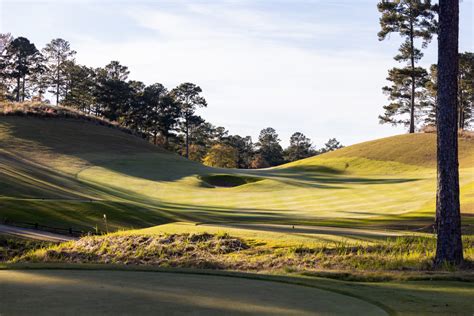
448,217
166,140
57,82
18,87
57,94
23,90
461,109
412,101
187,138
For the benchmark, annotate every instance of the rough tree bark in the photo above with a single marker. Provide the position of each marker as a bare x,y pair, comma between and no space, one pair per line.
412,64
448,217
18,88
23,89
57,80
187,138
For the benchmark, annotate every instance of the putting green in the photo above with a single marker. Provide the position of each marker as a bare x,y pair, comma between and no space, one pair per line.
51,292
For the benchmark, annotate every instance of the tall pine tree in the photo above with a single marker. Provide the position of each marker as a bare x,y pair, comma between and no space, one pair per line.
449,247
412,20
23,60
465,92
401,94
188,96
465,89
57,53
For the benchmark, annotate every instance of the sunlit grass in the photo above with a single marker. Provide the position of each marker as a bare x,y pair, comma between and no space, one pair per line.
268,253
52,173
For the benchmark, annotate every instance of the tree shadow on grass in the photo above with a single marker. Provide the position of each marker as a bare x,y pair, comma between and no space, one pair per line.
131,156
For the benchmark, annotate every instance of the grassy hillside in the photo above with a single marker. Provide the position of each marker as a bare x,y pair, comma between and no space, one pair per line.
409,152
69,172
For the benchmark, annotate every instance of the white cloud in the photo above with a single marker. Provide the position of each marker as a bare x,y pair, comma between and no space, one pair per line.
309,65
250,76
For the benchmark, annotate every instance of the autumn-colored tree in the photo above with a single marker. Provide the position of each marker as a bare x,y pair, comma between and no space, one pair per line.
259,162
221,156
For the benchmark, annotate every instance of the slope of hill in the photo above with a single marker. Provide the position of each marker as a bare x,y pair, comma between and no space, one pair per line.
70,172
402,153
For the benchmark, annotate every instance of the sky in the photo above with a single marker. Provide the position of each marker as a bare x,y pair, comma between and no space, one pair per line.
312,66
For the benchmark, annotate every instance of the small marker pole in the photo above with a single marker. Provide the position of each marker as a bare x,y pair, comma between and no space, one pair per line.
106,227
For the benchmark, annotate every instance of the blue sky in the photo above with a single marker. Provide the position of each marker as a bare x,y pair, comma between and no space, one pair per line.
312,66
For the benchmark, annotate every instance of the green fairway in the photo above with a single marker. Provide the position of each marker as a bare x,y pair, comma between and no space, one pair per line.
147,293
52,174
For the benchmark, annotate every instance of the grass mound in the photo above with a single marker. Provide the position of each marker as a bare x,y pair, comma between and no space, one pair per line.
417,150
41,110
228,181
175,250
222,251
11,247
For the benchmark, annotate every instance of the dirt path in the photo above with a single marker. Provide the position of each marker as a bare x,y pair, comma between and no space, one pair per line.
34,234
53,292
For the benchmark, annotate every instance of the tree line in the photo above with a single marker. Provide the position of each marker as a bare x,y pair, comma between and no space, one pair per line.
165,117
413,89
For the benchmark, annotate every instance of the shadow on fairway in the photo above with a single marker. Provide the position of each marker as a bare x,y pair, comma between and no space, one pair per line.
145,293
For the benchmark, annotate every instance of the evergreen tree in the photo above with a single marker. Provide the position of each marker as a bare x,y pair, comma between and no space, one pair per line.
133,111
300,148
412,19
465,92
430,96
112,93
80,84
245,149
269,148
5,40
23,60
331,145
188,96
115,71
400,93
465,89
57,53
201,135
161,113
219,134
